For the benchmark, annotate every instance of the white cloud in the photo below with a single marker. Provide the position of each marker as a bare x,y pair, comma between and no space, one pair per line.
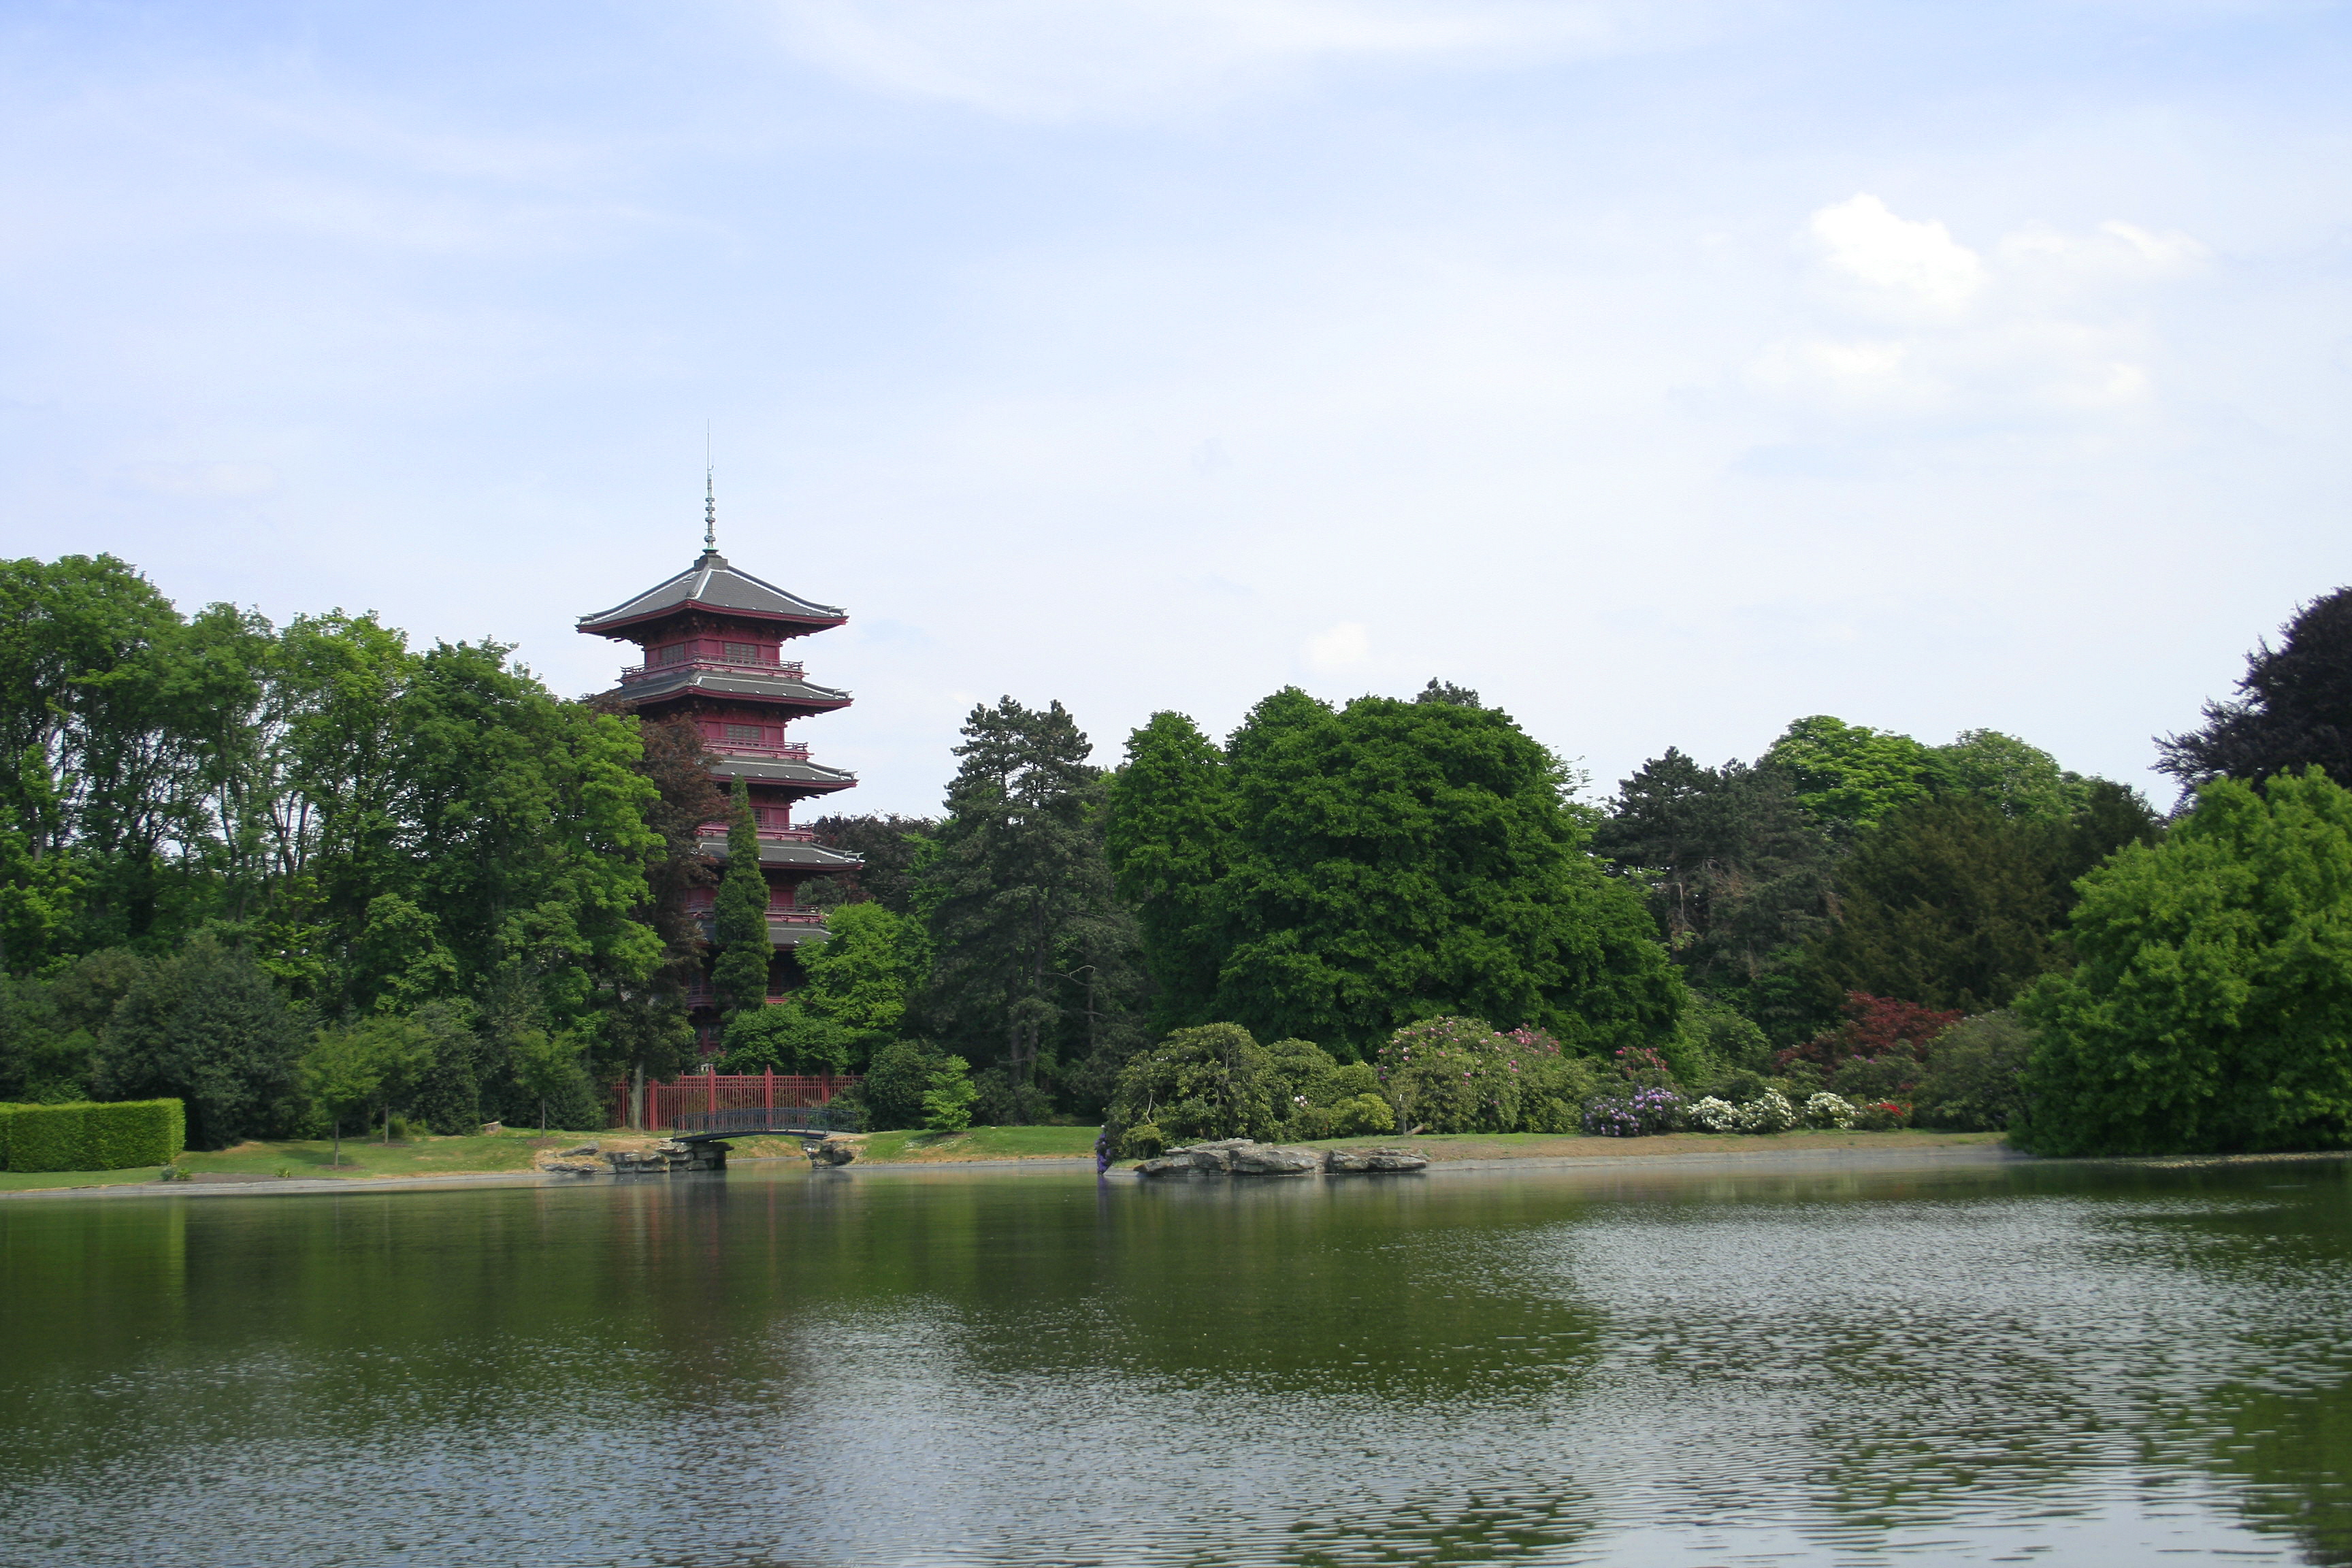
1054,60
1344,646
2043,322
1909,263
2115,249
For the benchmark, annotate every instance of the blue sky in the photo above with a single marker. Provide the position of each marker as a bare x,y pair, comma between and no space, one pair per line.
1665,372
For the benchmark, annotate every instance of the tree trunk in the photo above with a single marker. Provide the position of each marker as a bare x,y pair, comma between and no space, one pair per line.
338,1161
638,1099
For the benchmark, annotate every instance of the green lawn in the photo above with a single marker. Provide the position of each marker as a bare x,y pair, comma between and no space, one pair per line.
982,1144
422,1155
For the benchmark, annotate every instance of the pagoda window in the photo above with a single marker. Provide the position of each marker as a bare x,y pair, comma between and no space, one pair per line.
743,652
673,654
744,734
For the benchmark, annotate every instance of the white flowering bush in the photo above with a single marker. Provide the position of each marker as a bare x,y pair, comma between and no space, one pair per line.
1768,1112
1827,1109
1714,1115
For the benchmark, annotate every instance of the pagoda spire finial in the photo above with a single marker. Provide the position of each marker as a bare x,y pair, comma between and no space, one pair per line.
710,500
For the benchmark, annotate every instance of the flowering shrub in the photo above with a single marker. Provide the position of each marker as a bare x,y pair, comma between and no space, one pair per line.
1826,1109
1768,1112
1453,1075
1633,1114
1881,1115
1712,1115
1640,1064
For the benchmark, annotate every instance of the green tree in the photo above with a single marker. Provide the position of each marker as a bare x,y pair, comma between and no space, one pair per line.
892,848
1396,861
861,975
547,1067
1169,831
947,1103
448,1093
205,1026
1975,1078
1031,964
343,1070
1851,774
1953,904
2212,1007
2016,779
788,1036
741,917
1738,877
894,1083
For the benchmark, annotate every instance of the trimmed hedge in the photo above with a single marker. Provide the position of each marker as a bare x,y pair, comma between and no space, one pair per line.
92,1137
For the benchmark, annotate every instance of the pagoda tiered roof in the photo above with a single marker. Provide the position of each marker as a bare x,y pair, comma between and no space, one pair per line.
769,683
711,584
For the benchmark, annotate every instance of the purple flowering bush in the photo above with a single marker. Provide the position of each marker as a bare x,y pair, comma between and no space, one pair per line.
1634,1112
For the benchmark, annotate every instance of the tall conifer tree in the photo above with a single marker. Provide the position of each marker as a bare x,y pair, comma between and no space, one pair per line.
1032,965
740,973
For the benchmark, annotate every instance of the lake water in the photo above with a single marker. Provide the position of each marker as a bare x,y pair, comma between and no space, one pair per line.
1653,1363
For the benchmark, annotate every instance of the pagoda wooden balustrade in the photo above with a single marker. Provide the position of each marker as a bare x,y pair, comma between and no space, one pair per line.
786,750
773,835
709,1095
632,674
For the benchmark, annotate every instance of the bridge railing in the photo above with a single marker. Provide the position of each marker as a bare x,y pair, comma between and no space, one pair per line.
705,1093
782,1119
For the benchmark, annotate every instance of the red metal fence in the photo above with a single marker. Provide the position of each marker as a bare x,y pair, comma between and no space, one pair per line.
728,1091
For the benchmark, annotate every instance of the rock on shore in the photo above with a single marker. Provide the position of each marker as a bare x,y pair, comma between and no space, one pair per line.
1244,1157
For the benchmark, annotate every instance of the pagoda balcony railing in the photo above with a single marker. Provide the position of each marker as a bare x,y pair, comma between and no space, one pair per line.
778,915
771,834
791,669
790,750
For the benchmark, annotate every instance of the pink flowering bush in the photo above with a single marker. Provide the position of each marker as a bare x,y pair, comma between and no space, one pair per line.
1458,1075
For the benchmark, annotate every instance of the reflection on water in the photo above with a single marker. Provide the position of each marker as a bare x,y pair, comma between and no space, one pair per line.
1686,1363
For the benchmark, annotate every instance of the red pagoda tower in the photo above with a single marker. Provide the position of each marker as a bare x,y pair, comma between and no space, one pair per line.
712,637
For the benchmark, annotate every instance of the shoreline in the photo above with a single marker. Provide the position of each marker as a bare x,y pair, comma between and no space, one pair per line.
1816,1150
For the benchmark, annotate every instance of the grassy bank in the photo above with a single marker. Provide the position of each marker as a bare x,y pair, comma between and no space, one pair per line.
1072,1143
311,1160
424,1155
980,1143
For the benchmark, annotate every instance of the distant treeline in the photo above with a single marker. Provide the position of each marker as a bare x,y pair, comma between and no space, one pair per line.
298,874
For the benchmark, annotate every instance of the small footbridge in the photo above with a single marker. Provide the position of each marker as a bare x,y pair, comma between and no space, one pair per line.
703,1107
812,1122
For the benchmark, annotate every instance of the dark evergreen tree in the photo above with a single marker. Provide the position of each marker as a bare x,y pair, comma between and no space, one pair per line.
893,848
1949,903
448,1098
2295,707
1032,968
205,1026
741,917
1738,877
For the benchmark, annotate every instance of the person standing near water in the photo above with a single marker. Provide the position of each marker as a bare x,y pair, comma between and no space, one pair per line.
1102,1150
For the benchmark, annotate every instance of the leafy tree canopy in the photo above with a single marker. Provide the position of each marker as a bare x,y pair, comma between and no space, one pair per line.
2211,1008
1345,872
1849,773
